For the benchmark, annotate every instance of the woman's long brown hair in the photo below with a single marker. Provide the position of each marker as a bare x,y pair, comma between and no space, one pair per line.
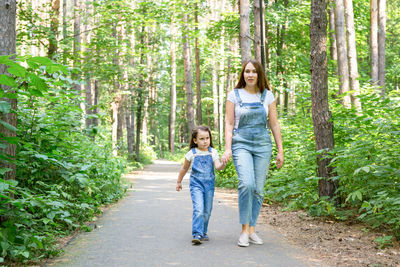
262,81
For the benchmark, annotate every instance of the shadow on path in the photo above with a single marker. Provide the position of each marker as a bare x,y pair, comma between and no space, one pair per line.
151,226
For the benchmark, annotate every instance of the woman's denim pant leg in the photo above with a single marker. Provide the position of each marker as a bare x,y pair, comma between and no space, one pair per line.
251,168
202,205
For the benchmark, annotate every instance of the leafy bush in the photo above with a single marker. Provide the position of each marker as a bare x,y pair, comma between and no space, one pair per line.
63,174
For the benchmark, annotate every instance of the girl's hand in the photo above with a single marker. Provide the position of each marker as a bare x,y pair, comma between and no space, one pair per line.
226,156
279,160
178,186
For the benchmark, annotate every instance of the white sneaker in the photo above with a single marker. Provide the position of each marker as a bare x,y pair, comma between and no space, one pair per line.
253,238
243,240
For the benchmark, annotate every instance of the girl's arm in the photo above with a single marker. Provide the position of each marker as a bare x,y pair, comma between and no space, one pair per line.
276,131
181,174
229,123
218,165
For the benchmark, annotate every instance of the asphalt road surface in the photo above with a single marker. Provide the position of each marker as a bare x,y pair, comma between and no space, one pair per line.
151,226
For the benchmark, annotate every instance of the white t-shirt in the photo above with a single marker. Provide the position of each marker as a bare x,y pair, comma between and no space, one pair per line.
189,155
249,98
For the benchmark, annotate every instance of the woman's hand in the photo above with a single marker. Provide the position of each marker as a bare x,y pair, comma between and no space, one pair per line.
279,160
226,156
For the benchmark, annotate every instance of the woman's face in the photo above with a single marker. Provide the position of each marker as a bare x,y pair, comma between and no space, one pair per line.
250,75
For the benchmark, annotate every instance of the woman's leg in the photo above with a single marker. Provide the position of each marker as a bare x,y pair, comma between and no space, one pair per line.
261,164
243,161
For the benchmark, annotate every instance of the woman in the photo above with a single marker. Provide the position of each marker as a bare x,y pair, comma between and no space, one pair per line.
250,108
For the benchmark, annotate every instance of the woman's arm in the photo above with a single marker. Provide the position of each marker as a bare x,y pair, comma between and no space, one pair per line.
181,174
229,123
276,131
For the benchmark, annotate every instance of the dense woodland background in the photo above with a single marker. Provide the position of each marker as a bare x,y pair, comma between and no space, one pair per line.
92,89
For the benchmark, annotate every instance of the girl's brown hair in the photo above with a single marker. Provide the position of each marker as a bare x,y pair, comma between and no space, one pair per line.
262,81
195,131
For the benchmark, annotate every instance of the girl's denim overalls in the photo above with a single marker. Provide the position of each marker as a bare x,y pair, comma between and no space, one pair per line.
251,152
202,183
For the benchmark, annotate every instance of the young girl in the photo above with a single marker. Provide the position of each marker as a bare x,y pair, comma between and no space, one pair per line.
203,159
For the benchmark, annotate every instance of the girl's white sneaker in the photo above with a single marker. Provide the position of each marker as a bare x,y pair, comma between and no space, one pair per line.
253,238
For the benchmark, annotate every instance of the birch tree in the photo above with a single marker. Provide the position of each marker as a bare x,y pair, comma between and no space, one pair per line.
381,45
374,41
352,54
343,65
173,88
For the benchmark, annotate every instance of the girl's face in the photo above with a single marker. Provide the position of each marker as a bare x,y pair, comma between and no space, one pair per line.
250,75
202,140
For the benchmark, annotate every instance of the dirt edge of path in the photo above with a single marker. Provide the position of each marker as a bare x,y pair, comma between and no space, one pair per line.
332,242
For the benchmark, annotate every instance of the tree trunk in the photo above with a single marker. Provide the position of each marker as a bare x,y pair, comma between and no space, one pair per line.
257,29
77,41
53,33
188,75
352,54
8,47
343,65
244,37
323,126
173,90
215,93
198,79
88,83
332,36
381,45
374,41
64,31
95,95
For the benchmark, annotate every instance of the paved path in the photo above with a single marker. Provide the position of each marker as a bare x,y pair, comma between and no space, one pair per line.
151,226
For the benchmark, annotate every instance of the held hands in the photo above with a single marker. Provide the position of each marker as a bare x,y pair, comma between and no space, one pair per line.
226,156
178,186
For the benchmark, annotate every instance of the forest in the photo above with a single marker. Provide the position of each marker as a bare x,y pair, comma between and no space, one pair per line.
93,89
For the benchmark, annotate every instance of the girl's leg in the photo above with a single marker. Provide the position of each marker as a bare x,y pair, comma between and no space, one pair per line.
243,161
208,202
198,210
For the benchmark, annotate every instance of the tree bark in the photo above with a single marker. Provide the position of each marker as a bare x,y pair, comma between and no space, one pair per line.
77,41
198,79
374,41
64,31
188,75
244,37
332,36
381,45
343,65
8,47
54,23
257,28
173,90
352,54
323,126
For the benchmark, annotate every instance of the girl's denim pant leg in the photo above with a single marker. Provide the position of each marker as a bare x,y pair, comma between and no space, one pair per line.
251,168
202,205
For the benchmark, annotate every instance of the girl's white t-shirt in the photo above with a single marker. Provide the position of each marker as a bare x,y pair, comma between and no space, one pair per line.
249,98
189,155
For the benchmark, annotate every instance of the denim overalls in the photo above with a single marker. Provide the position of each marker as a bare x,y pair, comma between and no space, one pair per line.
202,184
251,152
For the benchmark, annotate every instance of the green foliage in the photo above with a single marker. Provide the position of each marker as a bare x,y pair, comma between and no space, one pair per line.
227,177
384,241
63,174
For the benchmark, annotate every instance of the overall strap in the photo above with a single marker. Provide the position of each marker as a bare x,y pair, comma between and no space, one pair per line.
194,151
238,97
209,149
263,96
